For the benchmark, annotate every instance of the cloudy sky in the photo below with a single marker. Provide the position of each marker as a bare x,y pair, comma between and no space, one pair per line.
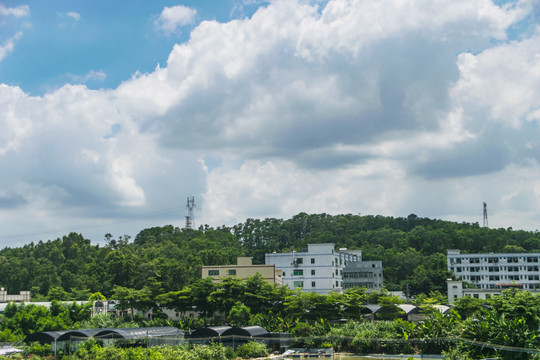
112,113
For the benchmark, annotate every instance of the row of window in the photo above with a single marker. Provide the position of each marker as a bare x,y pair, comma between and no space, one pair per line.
300,272
300,261
300,284
502,277
494,260
495,268
230,272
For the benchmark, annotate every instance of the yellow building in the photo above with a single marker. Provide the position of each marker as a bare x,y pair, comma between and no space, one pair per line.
243,269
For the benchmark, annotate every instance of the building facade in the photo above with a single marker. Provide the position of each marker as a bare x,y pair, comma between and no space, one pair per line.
493,271
319,268
243,269
368,274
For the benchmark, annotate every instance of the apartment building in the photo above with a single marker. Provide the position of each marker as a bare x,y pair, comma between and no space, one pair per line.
496,270
319,268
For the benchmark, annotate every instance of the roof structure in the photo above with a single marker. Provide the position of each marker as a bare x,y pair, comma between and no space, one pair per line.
78,334
207,332
247,331
122,333
409,309
137,333
45,336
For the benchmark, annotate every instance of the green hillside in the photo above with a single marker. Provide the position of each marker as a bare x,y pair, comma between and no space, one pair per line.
412,249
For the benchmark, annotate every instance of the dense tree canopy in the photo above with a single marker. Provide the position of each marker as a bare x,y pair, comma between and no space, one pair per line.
167,259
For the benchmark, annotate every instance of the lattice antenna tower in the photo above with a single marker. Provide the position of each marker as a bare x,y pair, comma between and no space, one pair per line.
485,216
190,206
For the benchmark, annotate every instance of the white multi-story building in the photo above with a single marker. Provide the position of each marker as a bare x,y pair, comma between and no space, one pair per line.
496,271
318,269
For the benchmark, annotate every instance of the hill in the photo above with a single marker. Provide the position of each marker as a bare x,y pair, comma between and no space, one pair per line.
413,251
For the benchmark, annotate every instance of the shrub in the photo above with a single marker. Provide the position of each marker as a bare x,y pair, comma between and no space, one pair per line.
251,350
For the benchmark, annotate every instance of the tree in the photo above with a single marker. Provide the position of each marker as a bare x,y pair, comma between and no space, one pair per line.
239,315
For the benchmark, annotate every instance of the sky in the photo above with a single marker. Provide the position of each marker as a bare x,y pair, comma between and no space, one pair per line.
112,113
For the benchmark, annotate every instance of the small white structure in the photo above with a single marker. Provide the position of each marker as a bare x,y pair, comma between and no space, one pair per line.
24,296
456,290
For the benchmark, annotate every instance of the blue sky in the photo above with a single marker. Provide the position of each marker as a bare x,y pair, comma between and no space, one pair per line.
113,113
64,41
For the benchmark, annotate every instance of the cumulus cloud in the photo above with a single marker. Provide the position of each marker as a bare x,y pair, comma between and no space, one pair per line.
19,11
374,106
174,17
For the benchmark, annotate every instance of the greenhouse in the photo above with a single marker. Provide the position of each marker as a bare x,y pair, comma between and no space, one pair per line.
69,341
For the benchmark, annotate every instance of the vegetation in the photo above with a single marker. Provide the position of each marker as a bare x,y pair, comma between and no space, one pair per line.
161,267
164,259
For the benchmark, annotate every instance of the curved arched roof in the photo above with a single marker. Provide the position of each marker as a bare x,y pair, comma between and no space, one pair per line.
78,334
44,336
209,332
246,331
137,333
122,333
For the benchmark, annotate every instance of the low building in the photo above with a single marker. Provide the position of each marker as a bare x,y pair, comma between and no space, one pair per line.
24,296
368,274
242,270
458,289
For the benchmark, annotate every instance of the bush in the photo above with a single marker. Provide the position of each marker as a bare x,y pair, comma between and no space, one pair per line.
251,350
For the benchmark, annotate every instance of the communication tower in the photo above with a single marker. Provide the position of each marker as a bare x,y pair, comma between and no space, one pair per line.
485,216
190,206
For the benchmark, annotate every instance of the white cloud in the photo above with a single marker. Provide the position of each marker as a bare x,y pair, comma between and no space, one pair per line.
19,11
75,16
174,17
372,107
92,75
9,45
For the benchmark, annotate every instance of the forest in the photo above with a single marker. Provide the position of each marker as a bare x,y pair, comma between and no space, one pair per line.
164,259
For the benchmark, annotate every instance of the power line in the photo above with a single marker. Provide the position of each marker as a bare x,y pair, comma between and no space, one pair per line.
89,226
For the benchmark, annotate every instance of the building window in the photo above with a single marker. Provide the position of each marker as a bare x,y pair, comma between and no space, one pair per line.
313,260
312,272
298,284
337,283
298,272
284,274
213,272
299,261
337,272
313,284
231,272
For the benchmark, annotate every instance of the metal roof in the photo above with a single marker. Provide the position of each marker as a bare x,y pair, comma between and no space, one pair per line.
44,336
137,333
121,333
78,334
247,331
209,332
